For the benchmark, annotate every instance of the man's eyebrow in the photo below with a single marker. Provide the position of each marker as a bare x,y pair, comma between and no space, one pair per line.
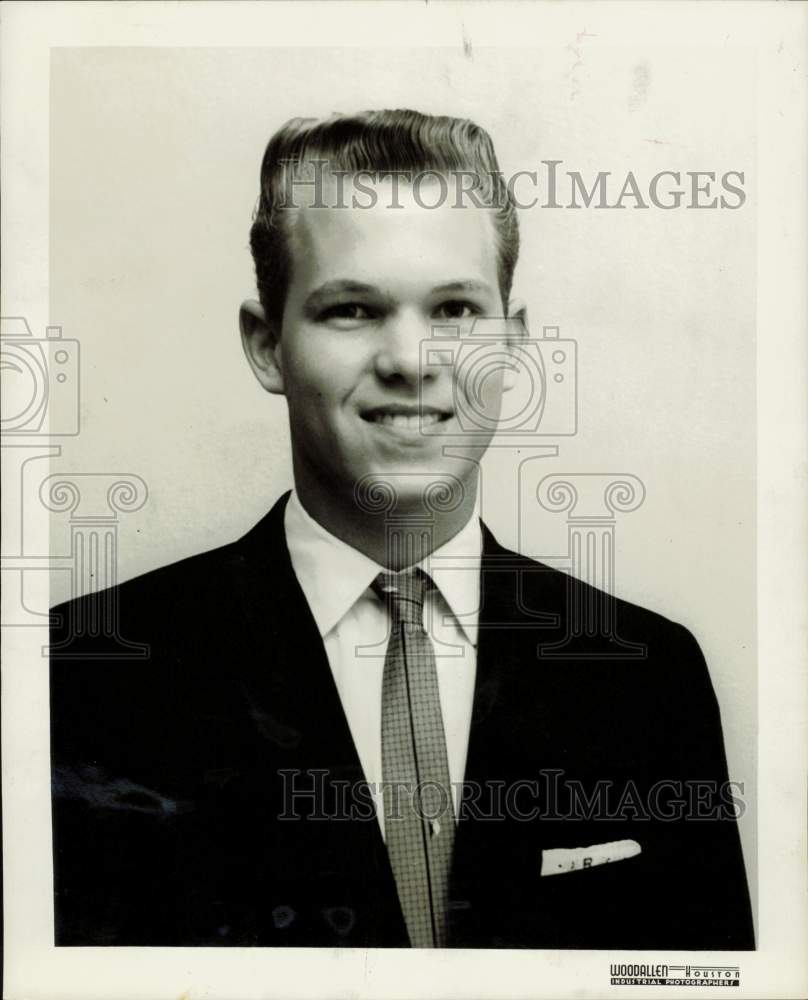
340,286
463,285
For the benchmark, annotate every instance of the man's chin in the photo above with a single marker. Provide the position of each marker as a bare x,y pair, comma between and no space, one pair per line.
398,489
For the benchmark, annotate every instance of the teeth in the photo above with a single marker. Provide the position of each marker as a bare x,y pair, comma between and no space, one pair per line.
411,422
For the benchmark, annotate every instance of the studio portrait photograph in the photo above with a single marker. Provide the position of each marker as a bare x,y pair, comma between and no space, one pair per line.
383,473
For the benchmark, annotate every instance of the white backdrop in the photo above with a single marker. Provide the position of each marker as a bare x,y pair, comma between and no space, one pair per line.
154,159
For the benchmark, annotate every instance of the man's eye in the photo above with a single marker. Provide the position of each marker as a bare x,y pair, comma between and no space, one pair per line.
346,311
456,309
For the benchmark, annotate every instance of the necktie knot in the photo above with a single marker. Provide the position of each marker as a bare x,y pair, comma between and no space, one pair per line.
404,593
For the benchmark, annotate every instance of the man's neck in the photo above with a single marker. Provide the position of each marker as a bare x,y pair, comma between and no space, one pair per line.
406,531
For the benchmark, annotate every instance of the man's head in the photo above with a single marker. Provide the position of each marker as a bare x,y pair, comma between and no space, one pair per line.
371,231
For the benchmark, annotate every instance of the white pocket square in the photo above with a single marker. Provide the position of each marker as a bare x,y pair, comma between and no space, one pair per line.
558,860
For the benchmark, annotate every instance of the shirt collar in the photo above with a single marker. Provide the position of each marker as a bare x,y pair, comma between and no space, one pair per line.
333,575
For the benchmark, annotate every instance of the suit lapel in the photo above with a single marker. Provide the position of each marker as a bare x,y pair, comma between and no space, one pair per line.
291,681
494,848
509,633
293,702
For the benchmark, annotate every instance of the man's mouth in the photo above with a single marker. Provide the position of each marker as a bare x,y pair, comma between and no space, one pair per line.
405,417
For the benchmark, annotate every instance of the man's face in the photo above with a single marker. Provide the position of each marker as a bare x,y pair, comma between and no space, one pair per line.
368,287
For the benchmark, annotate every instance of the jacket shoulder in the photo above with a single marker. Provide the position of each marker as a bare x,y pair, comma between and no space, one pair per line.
546,587
184,582
193,582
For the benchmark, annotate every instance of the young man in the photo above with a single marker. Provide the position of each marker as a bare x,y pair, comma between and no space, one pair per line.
350,729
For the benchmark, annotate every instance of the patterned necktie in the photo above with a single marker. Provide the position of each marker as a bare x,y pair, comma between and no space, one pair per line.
419,816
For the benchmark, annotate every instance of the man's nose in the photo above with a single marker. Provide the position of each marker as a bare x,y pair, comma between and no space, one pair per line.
399,354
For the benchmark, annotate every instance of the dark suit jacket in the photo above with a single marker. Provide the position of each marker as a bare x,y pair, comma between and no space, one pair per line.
171,772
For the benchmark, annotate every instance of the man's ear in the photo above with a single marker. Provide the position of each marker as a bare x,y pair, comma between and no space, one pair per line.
261,344
516,333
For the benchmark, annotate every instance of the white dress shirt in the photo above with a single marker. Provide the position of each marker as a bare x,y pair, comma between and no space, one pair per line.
354,625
